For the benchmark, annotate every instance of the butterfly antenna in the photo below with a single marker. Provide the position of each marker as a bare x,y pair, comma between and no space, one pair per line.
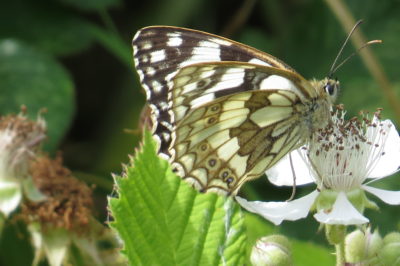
358,23
354,53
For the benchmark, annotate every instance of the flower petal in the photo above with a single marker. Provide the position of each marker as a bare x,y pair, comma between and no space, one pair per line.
37,242
281,174
388,163
10,197
56,242
32,192
390,197
276,212
342,212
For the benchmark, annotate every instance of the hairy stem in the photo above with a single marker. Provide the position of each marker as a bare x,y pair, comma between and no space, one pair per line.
340,259
335,234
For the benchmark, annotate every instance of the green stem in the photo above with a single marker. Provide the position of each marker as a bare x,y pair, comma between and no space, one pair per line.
335,234
340,258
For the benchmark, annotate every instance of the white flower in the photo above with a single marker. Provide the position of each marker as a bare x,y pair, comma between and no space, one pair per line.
339,159
19,139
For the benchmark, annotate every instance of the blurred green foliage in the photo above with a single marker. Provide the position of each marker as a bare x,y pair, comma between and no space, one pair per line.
35,79
74,59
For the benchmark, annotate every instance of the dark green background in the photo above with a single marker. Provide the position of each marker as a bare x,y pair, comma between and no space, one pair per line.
74,59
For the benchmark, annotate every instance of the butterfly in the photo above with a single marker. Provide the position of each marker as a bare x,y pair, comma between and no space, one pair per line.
224,112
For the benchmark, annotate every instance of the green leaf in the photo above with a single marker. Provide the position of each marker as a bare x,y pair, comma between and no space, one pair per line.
163,221
113,43
15,248
92,4
33,79
45,24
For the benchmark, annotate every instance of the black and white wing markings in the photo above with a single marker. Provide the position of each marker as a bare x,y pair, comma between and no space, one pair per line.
220,145
202,83
161,51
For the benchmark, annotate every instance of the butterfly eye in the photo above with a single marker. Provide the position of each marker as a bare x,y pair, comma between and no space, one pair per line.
330,89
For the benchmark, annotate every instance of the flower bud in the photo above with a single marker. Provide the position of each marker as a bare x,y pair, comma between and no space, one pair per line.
362,246
390,253
271,250
392,237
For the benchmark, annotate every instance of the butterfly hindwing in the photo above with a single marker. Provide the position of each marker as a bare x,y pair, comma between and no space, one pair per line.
234,138
202,83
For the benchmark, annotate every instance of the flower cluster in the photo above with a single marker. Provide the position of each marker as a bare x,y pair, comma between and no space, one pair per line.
342,160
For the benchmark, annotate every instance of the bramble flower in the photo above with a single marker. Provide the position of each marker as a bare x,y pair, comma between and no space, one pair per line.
19,141
342,160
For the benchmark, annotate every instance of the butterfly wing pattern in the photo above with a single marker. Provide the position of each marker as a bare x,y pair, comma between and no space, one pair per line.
222,112
161,51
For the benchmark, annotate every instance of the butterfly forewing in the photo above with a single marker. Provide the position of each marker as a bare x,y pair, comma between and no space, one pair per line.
161,51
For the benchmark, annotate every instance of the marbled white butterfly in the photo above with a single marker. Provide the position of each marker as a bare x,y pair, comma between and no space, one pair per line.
224,112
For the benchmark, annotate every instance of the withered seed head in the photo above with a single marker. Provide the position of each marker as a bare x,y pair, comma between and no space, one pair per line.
68,200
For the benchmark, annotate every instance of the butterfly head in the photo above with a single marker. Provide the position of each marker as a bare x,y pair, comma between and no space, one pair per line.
331,89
